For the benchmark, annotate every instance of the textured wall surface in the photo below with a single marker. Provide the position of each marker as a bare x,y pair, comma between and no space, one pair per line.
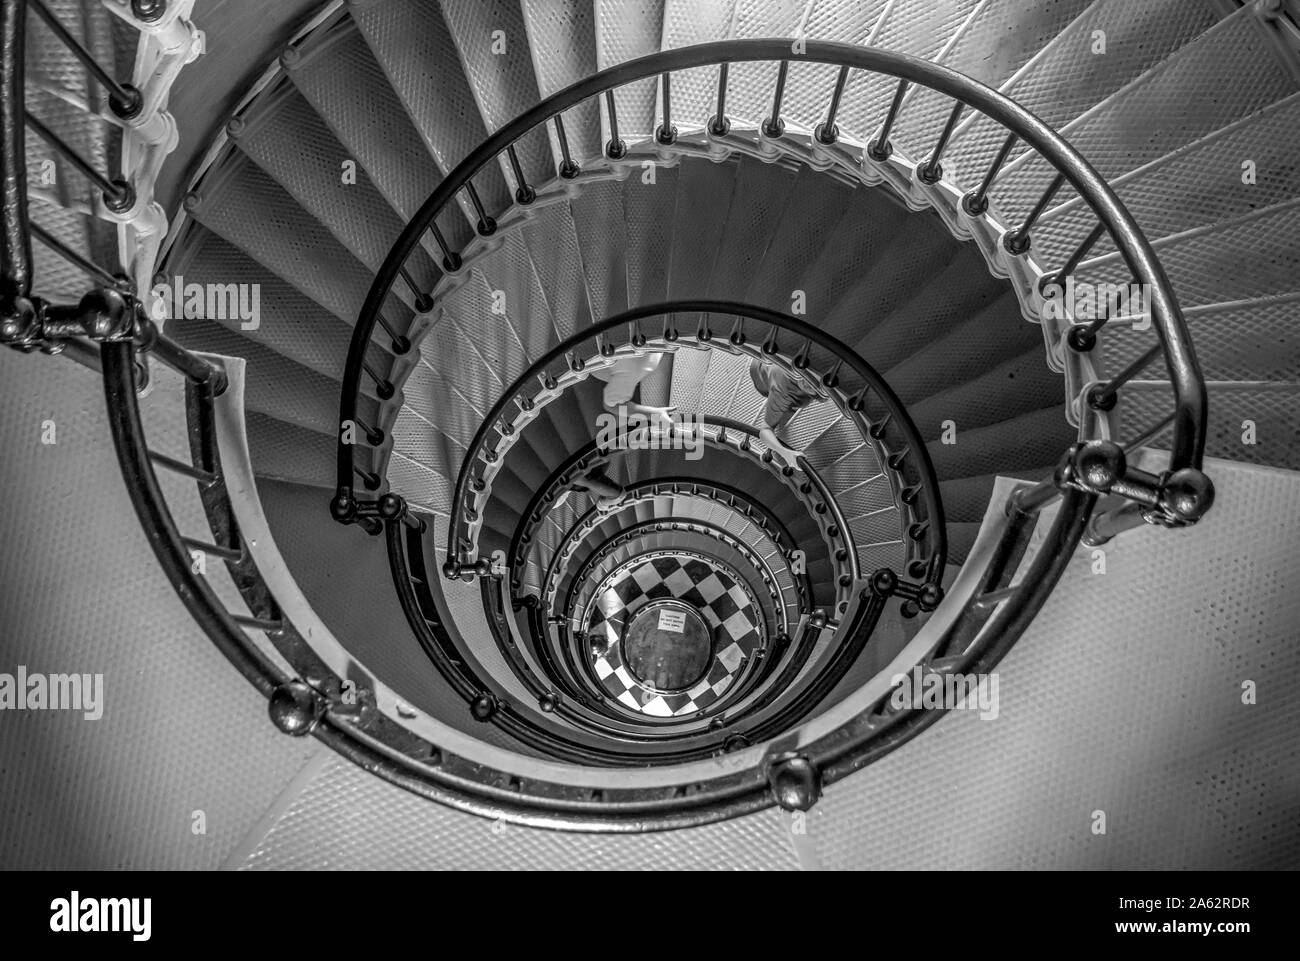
1123,697
80,591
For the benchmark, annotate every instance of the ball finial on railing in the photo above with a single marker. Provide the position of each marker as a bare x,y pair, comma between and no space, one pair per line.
296,708
1098,464
1186,495
794,781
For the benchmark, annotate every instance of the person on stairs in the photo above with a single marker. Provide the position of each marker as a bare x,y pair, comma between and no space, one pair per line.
787,393
609,495
622,380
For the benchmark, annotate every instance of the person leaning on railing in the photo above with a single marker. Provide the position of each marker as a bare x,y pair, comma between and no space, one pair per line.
787,393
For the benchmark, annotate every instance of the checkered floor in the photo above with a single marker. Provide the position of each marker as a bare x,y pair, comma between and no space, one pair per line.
725,606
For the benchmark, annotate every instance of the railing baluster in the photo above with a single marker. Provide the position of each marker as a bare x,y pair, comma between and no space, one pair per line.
719,125
931,172
486,225
880,148
827,133
616,149
568,168
125,99
976,202
1150,434
401,344
450,259
666,133
74,258
1102,396
423,302
374,436
524,194
383,388
1016,241
119,196
774,126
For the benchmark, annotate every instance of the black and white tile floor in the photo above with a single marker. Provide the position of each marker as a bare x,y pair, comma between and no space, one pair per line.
731,614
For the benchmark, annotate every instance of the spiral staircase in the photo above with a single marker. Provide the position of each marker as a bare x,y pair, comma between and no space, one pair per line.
448,219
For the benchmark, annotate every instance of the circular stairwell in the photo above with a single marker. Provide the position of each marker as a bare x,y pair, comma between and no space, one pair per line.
616,209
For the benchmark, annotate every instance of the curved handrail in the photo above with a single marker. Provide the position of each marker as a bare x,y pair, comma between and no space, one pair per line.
1190,396
927,522
834,531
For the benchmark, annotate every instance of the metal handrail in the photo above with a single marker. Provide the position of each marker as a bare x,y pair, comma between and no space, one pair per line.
926,511
837,537
1184,373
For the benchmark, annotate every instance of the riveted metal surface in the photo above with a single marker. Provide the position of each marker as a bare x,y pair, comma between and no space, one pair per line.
436,447
999,38
690,373
921,29
276,385
52,276
1188,776
421,486
252,212
492,42
553,249
562,39
1015,386
328,826
762,196
1248,340
1268,414
451,355
294,147
649,211
474,305
290,324
598,219
1252,256
118,793
348,88
411,42
687,23
284,451
808,224
1226,73
725,377
436,400
625,30
1201,183
963,288
705,198
1012,445
870,224
968,348
1068,77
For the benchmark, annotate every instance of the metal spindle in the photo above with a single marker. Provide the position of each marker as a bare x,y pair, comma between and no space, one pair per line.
568,168
401,344
423,302
880,148
666,133
616,149
1016,241
118,194
74,258
977,201
383,387
1102,397
1077,257
774,126
374,436
450,259
486,225
125,99
826,132
931,172
524,194
719,125
371,480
